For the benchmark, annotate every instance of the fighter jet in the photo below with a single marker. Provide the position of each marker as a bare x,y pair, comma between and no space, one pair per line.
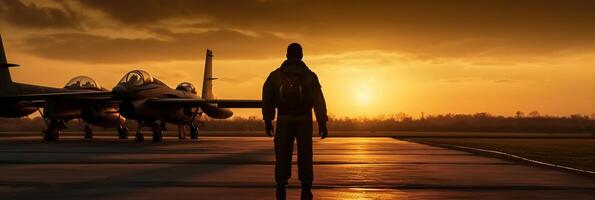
137,96
100,112
80,98
153,104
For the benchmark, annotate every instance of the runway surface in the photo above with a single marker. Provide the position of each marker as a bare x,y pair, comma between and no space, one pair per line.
242,168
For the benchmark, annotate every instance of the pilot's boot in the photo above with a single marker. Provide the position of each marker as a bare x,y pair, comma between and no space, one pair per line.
306,191
281,193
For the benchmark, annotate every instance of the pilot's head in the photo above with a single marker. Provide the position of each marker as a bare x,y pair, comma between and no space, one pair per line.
133,79
294,52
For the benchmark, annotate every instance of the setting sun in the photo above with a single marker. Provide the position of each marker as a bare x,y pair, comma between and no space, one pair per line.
363,98
363,93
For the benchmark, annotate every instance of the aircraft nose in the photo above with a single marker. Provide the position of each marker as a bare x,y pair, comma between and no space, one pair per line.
119,89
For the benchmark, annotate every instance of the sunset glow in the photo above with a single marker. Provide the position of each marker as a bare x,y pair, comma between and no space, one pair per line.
432,58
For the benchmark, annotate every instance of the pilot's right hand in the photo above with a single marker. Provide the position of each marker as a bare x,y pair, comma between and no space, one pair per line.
269,127
322,131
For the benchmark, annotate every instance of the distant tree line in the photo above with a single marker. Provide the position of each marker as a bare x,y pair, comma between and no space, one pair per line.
479,122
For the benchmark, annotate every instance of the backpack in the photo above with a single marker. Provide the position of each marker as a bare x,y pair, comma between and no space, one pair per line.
292,88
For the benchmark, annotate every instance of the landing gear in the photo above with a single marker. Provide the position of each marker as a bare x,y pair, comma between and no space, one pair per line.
88,132
182,131
139,135
193,131
52,134
158,131
122,132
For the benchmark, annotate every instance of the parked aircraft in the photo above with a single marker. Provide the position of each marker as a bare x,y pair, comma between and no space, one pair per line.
152,103
138,96
98,112
85,100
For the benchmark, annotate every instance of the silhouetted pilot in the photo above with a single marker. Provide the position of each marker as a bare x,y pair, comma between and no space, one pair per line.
133,80
87,85
77,84
293,90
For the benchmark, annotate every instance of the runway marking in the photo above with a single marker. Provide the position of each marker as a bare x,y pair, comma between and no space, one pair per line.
517,157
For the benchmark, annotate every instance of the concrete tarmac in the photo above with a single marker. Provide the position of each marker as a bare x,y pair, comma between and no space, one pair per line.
242,168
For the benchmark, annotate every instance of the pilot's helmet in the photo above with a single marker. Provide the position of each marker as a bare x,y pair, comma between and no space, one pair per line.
187,87
76,83
136,77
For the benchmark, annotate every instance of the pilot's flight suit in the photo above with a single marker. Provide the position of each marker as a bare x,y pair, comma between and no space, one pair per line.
294,121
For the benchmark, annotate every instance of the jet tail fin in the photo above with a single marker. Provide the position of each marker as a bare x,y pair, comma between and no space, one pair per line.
5,79
207,83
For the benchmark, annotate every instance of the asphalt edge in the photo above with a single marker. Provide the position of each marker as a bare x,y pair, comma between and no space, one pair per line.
507,156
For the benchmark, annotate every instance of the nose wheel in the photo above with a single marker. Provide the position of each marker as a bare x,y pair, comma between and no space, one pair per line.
194,131
52,134
122,132
182,131
139,135
158,132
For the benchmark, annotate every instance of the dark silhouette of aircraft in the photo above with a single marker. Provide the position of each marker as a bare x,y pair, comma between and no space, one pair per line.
137,96
80,98
149,101
100,112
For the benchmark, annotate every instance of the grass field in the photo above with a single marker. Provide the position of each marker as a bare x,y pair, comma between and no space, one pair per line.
576,153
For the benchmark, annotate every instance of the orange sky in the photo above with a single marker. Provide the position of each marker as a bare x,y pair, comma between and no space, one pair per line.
373,58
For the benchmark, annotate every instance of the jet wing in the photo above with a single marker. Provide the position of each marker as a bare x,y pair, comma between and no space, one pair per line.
35,103
221,103
229,103
82,95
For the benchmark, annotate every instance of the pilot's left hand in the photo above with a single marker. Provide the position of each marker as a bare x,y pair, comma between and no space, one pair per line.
269,127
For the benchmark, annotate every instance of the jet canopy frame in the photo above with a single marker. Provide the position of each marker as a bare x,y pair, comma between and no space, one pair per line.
137,78
82,82
188,87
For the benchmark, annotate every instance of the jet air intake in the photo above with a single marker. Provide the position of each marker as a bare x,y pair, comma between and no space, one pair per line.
140,109
102,117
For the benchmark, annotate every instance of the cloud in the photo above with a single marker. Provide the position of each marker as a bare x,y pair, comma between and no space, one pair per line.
158,30
89,48
467,80
34,15
429,29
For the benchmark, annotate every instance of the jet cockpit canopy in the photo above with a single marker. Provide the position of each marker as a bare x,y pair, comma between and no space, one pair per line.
137,78
82,82
188,87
